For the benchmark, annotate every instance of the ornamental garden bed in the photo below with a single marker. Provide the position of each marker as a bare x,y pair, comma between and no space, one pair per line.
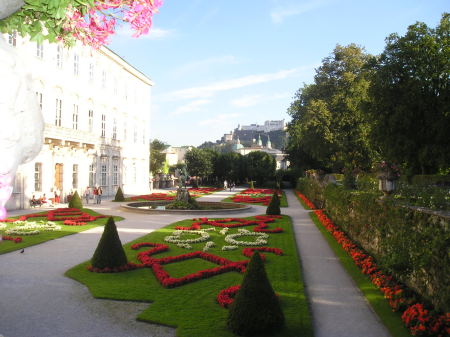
170,196
36,228
183,272
257,196
398,307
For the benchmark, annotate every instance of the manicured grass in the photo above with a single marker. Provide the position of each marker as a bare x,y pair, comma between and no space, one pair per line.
7,246
392,320
192,308
283,201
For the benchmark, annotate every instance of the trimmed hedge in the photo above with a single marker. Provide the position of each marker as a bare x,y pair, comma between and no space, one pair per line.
75,201
109,252
119,195
274,205
408,243
256,309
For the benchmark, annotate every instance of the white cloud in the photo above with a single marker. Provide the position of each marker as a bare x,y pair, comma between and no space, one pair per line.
219,120
154,33
190,107
240,82
252,100
279,14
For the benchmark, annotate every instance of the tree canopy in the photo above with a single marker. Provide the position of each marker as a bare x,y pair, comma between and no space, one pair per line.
157,157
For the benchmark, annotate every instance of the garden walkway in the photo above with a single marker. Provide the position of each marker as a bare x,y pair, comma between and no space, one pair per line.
37,300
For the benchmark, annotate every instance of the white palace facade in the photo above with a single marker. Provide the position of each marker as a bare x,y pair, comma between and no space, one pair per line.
96,109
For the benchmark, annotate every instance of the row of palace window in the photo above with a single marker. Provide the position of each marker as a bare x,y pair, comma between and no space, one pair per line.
92,174
12,40
75,114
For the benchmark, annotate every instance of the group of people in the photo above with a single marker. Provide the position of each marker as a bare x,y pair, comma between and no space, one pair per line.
54,197
96,193
230,185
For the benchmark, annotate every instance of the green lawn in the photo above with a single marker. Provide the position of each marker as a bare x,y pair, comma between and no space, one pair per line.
192,308
7,246
283,201
391,320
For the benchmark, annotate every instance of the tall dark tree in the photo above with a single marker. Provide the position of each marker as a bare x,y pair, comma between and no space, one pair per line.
411,98
260,167
329,126
199,162
157,157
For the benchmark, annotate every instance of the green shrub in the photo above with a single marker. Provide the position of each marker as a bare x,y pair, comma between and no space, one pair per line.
75,201
109,252
274,205
119,195
256,309
252,186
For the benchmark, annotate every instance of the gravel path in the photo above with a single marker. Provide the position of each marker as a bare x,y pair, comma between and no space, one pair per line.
37,300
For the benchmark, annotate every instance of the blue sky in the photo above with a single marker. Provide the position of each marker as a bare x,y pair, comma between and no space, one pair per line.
217,63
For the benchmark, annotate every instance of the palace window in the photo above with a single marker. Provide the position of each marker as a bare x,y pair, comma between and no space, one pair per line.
115,175
76,64
58,112
92,175
12,39
91,72
103,125
75,117
59,56
38,177
90,120
104,171
75,176
114,131
39,99
39,50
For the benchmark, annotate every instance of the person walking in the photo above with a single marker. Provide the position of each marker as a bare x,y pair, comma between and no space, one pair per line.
99,195
87,194
95,192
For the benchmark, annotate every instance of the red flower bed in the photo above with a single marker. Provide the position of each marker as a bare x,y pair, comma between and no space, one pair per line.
226,296
305,200
253,196
420,321
204,190
125,267
61,214
261,222
17,239
74,223
154,197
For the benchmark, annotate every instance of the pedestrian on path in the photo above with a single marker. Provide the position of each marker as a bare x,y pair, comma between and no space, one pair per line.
99,195
95,192
87,194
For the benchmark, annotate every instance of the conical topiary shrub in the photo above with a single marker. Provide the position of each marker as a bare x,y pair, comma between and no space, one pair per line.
256,309
109,252
75,201
119,195
274,205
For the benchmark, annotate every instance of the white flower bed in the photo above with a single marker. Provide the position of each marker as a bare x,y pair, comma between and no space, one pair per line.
224,230
185,243
261,238
209,245
3,225
31,227
230,247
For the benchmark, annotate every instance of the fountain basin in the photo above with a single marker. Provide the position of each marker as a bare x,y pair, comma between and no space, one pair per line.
158,207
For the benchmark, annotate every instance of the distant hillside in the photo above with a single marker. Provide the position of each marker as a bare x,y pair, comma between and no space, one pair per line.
277,138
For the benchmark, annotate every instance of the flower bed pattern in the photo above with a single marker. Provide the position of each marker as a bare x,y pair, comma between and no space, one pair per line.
306,200
17,239
261,222
60,214
256,196
420,321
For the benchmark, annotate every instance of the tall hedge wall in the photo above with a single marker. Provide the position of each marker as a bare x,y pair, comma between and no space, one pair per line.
412,245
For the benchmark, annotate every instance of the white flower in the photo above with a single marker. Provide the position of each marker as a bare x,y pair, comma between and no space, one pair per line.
176,237
229,247
32,227
261,238
224,231
3,225
209,245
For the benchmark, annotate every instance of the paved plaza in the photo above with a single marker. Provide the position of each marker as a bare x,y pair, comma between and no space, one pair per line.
37,300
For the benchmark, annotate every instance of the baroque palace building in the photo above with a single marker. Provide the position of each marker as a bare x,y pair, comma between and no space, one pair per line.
96,109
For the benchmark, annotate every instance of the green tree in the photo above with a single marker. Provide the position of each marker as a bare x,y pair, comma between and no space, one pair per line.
260,166
75,201
199,162
228,166
256,309
329,127
119,195
157,157
411,98
109,252
274,206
